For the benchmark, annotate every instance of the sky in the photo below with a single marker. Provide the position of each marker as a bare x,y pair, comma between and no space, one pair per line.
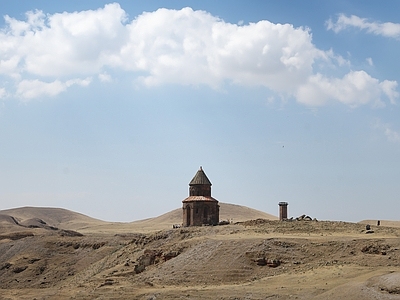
110,108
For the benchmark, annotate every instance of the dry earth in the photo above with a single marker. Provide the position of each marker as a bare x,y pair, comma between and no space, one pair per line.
50,253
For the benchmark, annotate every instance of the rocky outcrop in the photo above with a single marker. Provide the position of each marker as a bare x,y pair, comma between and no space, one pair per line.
153,257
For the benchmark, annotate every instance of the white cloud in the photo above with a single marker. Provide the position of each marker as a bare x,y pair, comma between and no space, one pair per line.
105,77
354,89
194,47
78,81
370,61
43,53
29,89
390,134
2,93
9,66
63,44
387,29
389,88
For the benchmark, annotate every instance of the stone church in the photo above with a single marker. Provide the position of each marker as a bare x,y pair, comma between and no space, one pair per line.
200,208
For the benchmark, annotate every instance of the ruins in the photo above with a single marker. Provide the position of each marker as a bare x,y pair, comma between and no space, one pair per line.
200,208
283,211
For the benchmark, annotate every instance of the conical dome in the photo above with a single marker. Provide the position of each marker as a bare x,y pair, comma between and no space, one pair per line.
200,178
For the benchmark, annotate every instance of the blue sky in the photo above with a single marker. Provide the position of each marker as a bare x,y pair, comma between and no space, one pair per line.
110,108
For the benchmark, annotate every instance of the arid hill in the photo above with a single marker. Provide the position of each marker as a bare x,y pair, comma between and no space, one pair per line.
69,220
56,217
47,253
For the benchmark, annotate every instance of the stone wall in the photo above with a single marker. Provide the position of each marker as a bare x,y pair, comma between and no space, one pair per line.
200,213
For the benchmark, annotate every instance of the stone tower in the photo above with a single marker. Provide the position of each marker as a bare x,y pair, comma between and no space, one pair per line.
200,208
283,211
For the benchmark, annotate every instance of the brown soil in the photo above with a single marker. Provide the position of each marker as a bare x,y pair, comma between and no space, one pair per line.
46,257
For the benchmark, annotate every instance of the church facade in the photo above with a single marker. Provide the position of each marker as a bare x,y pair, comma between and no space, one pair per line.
200,208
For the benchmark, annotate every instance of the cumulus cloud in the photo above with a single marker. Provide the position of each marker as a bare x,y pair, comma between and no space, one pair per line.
354,89
29,89
62,44
194,47
388,29
44,53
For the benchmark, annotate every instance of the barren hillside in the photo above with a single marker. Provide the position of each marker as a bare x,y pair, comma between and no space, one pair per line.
56,217
69,220
254,259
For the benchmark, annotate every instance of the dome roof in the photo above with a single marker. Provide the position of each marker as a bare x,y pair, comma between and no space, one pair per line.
200,199
200,178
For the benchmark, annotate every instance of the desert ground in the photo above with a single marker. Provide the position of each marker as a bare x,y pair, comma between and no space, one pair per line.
53,253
